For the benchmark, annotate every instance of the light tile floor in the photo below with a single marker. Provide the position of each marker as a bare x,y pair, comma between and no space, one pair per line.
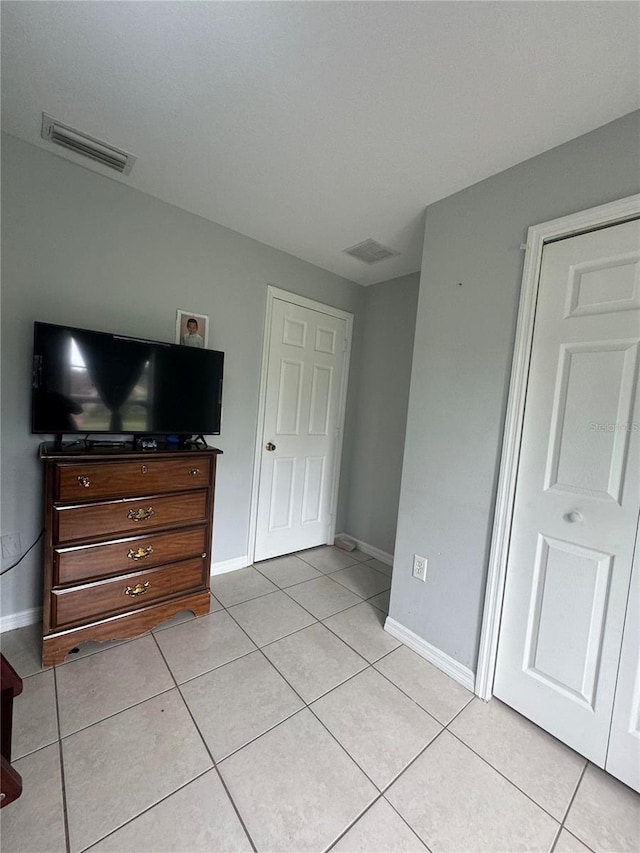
288,720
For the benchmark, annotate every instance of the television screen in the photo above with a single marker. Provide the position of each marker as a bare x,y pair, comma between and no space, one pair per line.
94,382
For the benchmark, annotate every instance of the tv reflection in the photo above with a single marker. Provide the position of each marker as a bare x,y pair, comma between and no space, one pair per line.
106,391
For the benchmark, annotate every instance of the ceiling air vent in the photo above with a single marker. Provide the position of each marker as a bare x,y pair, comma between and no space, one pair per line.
370,251
88,146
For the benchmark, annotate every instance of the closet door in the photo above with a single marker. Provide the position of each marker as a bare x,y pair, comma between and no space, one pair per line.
578,493
623,757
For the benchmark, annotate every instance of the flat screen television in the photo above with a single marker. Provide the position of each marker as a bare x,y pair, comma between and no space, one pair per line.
87,382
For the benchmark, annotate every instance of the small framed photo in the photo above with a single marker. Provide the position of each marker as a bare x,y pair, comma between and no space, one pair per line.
192,329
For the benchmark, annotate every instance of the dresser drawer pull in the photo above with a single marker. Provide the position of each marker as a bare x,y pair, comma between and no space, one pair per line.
84,481
193,472
140,514
143,469
140,553
138,589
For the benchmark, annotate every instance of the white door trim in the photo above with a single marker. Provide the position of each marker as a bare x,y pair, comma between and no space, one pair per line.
537,236
272,294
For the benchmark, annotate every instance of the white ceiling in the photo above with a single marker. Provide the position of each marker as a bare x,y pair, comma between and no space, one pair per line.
311,126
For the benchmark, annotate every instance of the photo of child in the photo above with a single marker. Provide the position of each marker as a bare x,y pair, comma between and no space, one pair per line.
192,330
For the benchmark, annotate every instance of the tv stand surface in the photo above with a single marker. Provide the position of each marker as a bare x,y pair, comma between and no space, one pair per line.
82,447
127,541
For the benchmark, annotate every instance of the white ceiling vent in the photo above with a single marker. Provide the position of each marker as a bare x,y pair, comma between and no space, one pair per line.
370,251
88,146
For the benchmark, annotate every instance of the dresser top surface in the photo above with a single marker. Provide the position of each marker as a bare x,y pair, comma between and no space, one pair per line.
75,452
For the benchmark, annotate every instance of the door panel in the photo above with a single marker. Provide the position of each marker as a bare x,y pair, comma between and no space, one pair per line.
289,397
319,410
282,493
604,286
300,438
312,489
566,656
577,494
623,757
611,368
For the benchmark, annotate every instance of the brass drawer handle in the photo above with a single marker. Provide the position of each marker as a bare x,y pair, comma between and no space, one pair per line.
143,469
84,481
193,472
138,589
140,514
140,553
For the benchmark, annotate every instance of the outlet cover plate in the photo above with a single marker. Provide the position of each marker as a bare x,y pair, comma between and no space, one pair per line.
419,567
10,545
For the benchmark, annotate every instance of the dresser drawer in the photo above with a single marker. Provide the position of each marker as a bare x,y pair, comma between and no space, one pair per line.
112,518
91,601
126,555
89,481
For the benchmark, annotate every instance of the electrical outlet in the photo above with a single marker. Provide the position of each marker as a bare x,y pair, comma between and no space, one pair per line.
10,545
419,567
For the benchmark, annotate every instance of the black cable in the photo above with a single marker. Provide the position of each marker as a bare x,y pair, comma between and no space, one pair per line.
17,563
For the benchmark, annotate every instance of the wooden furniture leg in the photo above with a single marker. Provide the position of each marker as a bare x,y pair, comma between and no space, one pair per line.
10,686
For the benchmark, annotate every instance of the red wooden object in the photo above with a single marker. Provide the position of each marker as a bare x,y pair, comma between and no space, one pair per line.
10,779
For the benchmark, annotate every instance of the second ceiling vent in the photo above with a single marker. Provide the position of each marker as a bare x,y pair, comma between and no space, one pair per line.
370,251
88,146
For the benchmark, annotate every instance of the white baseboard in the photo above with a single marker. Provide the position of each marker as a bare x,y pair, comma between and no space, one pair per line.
21,619
371,550
225,566
442,661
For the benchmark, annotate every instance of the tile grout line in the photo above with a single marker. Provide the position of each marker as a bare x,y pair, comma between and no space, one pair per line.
65,815
115,714
110,717
506,778
571,801
418,755
308,707
331,615
369,665
342,640
305,705
415,701
209,753
406,822
322,574
144,811
137,704
310,580
575,791
55,738
297,553
555,839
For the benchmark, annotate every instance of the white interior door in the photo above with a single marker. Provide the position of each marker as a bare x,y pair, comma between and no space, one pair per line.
302,425
577,495
623,755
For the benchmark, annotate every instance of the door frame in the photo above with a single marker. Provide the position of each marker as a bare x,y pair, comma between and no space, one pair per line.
274,293
537,237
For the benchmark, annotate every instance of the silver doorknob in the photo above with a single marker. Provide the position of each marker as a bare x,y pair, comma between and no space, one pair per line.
574,516
269,446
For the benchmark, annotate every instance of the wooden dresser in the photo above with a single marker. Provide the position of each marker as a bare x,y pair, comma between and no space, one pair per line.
127,541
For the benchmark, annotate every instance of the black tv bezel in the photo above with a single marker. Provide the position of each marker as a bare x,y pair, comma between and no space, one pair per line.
181,438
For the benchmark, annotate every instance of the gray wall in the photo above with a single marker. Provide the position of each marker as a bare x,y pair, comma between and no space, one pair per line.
461,368
380,411
82,250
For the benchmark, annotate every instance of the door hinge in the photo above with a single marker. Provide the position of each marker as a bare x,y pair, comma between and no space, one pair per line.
345,344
